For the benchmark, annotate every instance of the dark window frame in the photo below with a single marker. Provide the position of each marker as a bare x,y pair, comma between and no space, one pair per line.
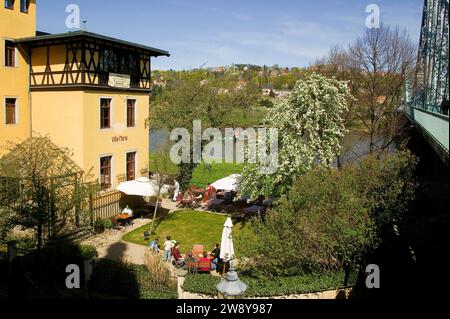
10,54
24,6
105,113
131,113
131,166
106,172
10,118
11,4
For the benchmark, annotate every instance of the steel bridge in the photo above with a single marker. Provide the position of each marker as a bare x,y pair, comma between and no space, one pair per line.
427,94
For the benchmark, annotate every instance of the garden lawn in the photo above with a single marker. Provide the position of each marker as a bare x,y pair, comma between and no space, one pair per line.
189,228
206,174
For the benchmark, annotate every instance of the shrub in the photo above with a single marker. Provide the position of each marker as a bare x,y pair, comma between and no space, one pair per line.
272,287
158,269
88,252
107,224
330,218
99,225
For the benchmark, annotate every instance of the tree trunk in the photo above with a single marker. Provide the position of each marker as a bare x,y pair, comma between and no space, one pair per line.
39,235
156,210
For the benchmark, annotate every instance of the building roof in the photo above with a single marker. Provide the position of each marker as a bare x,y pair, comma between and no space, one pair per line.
44,39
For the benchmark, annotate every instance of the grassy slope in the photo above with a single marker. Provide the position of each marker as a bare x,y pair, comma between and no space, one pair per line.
204,175
189,228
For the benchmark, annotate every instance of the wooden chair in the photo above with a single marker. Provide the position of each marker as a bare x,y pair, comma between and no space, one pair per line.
197,250
191,266
204,265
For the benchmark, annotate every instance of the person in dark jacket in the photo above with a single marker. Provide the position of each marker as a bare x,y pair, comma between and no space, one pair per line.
215,256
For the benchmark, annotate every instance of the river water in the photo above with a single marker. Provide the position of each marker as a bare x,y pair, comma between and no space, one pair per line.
354,145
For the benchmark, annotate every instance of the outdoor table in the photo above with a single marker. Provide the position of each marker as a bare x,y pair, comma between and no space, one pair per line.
217,201
124,217
254,209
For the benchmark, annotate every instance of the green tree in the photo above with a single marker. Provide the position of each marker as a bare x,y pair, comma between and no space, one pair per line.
164,171
310,126
41,187
330,219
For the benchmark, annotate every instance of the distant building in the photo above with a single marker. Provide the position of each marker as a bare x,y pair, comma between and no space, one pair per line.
269,91
381,99
219,69
160,81
222,91
282,93
241,85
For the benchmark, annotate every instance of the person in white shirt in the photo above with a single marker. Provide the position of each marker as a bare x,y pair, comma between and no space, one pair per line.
177,190
168,245
127,210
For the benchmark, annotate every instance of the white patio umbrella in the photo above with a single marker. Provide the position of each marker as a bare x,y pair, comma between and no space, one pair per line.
226,246
141,187
230,183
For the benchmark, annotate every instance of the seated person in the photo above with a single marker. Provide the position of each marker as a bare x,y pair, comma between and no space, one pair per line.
268,202
190,258
154,244
206,261
191,263
177,255
215,256
196,201
127,211
259,201
228,196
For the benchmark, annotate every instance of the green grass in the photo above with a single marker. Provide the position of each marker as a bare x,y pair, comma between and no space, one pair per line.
252,117
205,174
189,228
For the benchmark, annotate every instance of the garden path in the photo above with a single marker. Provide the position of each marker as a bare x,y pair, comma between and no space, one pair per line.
111,246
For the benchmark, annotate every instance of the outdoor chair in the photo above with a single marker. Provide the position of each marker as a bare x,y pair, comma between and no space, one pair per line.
228,197
198,250
191,266
178,264
204,265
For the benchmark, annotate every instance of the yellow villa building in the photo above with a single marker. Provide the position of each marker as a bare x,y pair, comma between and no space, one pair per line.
87,92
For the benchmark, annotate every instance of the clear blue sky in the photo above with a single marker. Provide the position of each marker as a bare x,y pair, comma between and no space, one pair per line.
222,32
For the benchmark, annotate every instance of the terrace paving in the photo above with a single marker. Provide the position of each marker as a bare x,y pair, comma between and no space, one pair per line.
111,246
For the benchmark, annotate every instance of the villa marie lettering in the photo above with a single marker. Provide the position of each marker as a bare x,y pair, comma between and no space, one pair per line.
86,91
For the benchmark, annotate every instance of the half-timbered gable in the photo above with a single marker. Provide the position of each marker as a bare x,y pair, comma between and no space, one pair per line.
90,61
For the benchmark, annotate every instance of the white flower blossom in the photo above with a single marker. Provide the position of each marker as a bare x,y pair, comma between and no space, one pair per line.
310,126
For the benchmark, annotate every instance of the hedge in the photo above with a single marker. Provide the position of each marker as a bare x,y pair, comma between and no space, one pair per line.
278,286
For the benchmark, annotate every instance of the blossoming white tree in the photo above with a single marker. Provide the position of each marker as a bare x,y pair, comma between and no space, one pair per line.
310,127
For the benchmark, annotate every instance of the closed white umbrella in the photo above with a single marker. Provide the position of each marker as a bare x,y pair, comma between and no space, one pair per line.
230,183
229,286
226,246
